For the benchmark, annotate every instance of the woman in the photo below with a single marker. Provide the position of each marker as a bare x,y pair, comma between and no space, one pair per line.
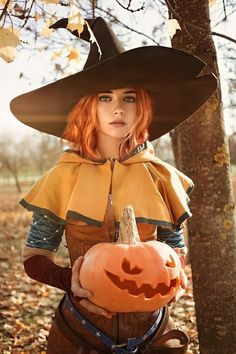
110,164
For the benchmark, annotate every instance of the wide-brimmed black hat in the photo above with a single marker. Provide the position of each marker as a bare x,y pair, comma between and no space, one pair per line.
170,75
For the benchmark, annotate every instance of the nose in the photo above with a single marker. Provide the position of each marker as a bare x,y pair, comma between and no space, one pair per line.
118,109
118,112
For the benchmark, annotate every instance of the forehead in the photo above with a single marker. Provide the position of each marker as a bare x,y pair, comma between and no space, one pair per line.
120,91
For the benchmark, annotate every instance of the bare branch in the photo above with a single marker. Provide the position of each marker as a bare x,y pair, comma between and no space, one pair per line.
29,11
224,6
223,36
4,11
128,7
94,2
126,26
224,19
196,27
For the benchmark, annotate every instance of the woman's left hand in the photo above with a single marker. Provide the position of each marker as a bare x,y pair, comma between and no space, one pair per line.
184,280
180,292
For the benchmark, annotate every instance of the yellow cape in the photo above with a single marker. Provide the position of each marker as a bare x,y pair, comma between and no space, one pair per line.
77,189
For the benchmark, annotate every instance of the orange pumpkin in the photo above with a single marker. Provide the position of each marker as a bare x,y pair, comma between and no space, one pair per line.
130,275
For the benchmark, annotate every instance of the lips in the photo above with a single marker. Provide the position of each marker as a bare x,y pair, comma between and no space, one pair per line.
118,123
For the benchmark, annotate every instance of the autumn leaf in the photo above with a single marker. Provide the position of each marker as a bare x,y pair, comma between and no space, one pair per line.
46,31
56,55
8,43
212,2
172,26
74,55
51,1
37,16
75,20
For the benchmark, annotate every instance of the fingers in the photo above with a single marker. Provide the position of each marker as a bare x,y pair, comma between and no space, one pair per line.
172,301
88,305
177,296
182,255
184,280
85,294
77,264
79,291
75,283
181,290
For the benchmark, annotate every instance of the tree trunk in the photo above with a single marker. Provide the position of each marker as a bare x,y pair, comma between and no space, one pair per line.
17,182
11,166
202,153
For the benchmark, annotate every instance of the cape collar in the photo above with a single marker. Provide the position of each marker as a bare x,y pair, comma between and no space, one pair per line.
142,153
78,189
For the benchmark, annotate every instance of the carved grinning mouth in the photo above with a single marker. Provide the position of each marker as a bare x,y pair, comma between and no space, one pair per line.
145,289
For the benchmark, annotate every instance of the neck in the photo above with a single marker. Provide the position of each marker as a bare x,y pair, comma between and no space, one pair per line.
109,148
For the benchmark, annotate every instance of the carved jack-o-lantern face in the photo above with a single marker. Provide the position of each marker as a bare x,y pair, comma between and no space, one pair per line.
148,291
129,278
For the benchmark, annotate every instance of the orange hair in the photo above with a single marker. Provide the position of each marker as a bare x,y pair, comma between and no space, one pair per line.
82,130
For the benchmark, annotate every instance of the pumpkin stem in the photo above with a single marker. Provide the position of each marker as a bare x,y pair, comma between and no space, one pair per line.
128,232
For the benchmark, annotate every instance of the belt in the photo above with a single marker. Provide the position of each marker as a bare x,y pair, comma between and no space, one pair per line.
132,344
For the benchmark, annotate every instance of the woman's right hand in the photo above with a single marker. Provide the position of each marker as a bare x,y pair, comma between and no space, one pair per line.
84,293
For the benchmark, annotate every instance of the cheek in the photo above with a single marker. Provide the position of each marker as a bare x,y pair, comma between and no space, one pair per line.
103,115
132,114
101,118
99,115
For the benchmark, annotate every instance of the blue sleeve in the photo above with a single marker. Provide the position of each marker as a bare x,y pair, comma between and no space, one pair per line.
44,233
172,238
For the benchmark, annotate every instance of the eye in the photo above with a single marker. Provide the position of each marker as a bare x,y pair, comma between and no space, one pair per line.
130,99
127,269
104,98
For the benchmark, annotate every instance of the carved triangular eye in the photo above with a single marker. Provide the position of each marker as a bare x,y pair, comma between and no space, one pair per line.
171,263
126,267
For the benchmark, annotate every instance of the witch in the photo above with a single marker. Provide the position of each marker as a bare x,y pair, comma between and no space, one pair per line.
108,112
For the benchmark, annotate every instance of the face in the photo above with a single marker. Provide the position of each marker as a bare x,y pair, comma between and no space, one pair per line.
116,112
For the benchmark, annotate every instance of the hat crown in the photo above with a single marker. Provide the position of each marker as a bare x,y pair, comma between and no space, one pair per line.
107,45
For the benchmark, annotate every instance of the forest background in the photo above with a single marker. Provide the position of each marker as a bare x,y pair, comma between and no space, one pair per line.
43,56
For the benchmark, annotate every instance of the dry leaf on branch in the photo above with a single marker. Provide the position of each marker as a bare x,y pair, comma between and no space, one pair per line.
75,20
212,2
3,3
46,31
51,1
8,43
73,55
172,26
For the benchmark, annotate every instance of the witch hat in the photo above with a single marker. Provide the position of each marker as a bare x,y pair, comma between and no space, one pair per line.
170,75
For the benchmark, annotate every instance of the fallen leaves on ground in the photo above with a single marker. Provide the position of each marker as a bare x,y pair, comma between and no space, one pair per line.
27,307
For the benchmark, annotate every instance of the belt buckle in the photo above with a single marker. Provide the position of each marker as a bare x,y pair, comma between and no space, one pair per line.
123,346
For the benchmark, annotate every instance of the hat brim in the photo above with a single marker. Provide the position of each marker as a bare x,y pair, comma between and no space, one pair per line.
169,75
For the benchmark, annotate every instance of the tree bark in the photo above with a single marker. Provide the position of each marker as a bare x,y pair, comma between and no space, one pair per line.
202,153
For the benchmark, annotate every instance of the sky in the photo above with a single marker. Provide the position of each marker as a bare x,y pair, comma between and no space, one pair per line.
37,66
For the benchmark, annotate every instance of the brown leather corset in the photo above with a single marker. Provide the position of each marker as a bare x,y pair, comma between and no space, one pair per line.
79,239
